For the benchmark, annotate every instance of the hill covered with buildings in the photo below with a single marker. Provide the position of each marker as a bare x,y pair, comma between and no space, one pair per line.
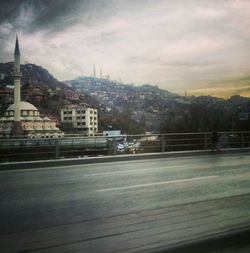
129,108
40,88
137,109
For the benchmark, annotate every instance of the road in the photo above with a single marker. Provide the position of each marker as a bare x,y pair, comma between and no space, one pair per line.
130,206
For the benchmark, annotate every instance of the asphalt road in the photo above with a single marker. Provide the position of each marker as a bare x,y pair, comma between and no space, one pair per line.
130,206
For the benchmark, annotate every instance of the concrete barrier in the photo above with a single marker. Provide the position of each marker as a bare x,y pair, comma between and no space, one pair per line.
104,159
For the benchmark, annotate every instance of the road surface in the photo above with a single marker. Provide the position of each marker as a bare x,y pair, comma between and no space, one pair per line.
130,206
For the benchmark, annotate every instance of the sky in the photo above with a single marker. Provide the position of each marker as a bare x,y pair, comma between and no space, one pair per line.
198,46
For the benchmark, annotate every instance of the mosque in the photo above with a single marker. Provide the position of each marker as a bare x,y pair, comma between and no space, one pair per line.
22,119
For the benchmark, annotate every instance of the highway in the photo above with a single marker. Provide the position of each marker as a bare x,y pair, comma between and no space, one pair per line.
126,206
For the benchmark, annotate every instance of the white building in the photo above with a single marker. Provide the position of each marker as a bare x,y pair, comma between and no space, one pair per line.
32,124
81,118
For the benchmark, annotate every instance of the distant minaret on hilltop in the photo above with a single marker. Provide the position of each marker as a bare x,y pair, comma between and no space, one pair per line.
94,72
100,73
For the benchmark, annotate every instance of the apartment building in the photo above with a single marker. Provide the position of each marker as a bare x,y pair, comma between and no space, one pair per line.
81,118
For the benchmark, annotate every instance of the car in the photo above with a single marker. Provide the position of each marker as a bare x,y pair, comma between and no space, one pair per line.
120,147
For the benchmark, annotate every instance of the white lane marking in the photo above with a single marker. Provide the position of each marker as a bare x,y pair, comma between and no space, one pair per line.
158,183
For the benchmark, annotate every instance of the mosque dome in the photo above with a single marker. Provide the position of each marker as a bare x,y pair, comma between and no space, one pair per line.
23,106
28,111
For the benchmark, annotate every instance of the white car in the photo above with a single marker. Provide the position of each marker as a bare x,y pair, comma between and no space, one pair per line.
120,147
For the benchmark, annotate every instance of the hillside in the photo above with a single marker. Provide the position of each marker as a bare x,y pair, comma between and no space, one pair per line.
31,74
136,109
132,109
113,95
40,88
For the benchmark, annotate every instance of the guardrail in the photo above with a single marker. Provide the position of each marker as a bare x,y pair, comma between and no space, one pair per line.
39,149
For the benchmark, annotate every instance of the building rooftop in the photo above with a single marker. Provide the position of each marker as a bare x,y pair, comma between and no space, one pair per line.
23,106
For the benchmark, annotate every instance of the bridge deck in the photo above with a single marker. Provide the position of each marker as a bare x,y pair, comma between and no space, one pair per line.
130,206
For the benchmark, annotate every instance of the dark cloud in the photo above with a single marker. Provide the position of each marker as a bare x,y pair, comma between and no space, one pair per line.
34,15
8,10
169,43
55,15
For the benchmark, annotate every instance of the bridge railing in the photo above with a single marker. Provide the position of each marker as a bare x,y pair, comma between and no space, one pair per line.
80,146
188,141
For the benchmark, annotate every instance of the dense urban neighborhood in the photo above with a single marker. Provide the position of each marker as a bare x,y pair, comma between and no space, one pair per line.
127,107
124,126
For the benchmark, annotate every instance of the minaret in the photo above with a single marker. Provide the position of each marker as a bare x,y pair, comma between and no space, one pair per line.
17,82
17,127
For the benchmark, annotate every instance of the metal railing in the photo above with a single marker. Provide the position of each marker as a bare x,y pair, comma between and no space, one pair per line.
39,149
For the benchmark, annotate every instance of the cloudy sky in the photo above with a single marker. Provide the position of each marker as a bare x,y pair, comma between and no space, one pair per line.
198,46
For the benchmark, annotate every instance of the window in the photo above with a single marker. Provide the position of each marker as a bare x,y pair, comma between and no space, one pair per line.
80,117
80,123
67,112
